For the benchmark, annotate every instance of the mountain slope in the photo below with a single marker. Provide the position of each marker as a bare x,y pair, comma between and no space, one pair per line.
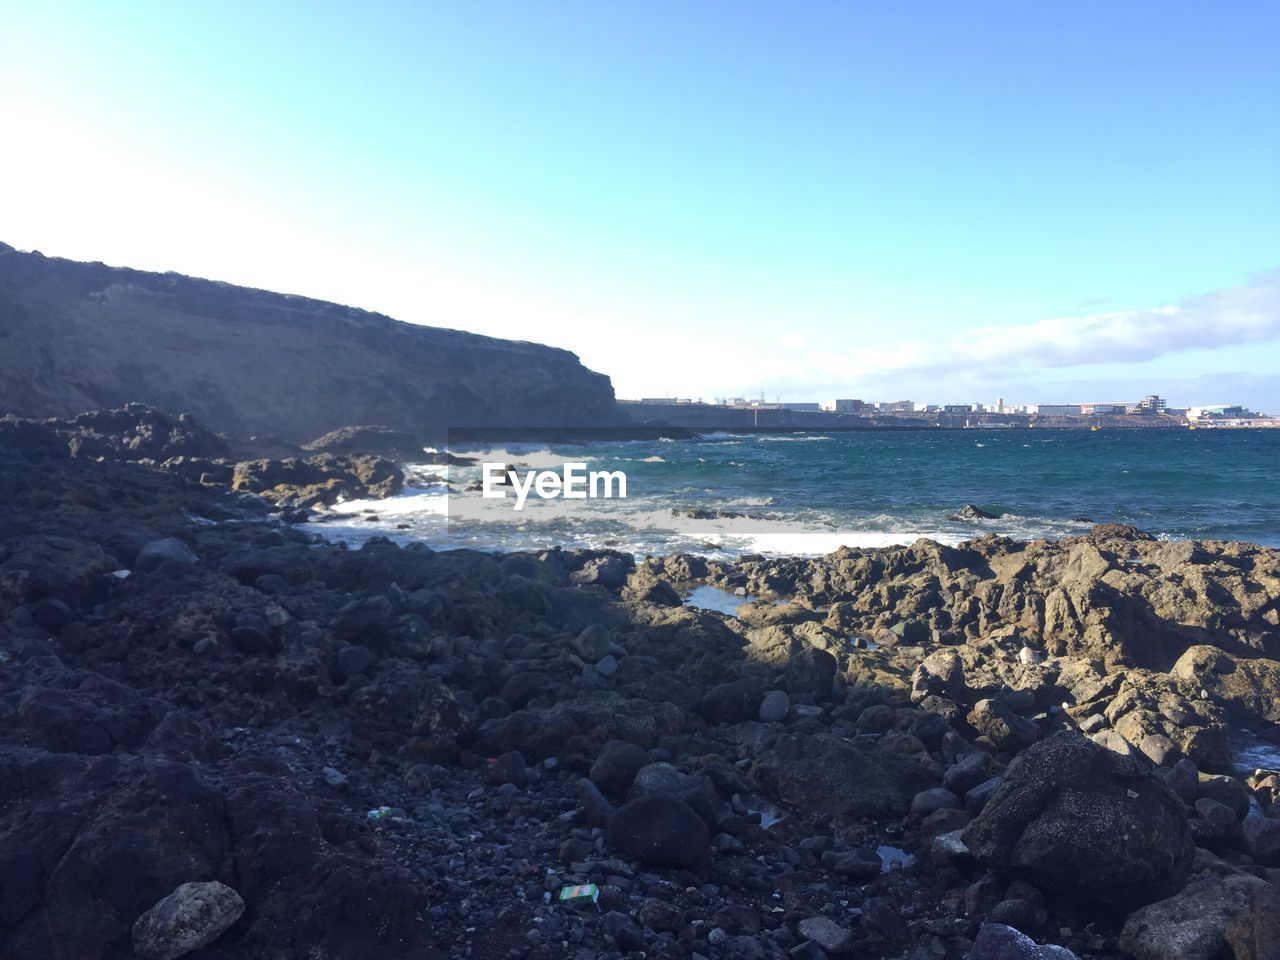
76,336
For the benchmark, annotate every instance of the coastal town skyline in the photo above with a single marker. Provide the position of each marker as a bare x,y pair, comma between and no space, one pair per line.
1147,404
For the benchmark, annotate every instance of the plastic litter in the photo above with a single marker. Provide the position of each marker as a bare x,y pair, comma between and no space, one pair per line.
581,892
380,813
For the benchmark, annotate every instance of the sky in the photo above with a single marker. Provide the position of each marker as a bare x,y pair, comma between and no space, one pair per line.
947,202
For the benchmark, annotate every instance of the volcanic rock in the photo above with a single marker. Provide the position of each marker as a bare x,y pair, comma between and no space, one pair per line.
1073,817
191,917
1192,925
659,830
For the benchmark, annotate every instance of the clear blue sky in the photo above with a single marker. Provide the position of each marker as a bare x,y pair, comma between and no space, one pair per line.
698,198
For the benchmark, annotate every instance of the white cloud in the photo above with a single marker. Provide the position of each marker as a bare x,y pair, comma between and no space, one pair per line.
1040,360
1229,317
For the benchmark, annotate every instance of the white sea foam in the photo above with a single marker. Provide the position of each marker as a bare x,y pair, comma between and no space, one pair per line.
1253,753
780,438
521,455
411,503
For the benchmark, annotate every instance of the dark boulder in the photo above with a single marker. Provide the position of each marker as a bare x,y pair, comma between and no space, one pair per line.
597,811
967,772
608,571
1263,839
320,479
191,917
997,941
643,585
696,791
616,767
31,440
828,775
381,441
807,669
76,874
523,687
1193,924
659,831
971,512
734,702
169,550
366,618
138,432
1075,818
352,660
1000,726
1215,826
88,714
253,640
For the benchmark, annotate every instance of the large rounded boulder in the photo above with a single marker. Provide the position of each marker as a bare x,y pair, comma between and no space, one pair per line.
660,831
1075,818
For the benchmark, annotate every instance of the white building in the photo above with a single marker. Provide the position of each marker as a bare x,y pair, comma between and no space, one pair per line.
1054,409
844,406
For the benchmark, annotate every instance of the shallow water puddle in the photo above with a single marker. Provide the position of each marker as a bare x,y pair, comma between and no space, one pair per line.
893,858
714,598
723,601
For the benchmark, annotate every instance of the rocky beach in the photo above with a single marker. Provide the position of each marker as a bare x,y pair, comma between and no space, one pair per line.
225,736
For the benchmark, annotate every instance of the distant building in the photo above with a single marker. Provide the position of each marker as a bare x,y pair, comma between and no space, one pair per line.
1054,409
1103,409
802,407
846,406
1219,412
957,408
896,406
1153,404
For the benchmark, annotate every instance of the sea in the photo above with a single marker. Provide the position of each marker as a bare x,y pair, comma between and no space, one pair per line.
727,494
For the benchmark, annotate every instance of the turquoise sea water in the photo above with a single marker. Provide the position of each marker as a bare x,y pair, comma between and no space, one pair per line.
809,493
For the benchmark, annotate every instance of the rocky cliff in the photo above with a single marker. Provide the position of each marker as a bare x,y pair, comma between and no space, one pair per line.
76,336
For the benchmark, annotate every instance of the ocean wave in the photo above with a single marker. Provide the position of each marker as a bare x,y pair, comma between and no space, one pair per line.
411,502
535,456
779,438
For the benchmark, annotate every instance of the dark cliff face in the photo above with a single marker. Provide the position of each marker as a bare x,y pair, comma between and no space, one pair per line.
75,336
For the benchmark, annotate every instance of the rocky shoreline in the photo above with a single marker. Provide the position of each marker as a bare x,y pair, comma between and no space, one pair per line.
224,737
